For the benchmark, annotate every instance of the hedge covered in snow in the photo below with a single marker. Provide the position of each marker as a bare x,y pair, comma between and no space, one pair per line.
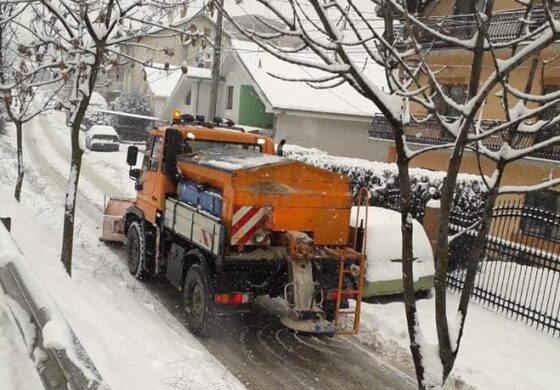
382,181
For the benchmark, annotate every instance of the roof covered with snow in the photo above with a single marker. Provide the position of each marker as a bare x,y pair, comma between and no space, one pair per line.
298,96
199,73
162,82
232,159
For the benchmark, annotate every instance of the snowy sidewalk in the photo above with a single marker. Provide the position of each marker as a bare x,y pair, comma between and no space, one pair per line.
496,352
132,339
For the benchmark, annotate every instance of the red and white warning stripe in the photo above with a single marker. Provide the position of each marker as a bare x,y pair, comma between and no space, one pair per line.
246,221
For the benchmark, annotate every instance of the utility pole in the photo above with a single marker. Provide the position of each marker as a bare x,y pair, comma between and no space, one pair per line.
216,62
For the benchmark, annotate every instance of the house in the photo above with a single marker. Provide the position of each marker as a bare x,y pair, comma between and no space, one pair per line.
163,50
171,49
453,17
335,120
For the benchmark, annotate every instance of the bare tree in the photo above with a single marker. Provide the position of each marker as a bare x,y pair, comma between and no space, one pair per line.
85,36
24,77
338,39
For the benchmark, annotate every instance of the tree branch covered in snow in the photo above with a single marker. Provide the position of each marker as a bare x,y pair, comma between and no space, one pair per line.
68,43
344,41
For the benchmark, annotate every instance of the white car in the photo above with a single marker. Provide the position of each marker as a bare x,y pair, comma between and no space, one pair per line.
383,251
102,138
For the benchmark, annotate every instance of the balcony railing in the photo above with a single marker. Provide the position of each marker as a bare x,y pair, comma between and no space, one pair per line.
430,132
505,26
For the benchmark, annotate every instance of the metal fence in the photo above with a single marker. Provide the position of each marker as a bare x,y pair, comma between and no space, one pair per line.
519,273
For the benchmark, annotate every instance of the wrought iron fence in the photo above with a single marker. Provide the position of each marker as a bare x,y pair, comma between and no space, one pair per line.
519,273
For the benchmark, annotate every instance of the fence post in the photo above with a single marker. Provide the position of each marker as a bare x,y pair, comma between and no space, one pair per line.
431,221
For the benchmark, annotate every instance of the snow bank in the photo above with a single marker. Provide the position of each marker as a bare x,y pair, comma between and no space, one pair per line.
496,352
17,369
384,245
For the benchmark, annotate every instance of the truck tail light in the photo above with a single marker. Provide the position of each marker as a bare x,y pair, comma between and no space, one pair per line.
331,295
238,298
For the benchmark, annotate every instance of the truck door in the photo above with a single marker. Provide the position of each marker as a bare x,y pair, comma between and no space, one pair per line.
147,197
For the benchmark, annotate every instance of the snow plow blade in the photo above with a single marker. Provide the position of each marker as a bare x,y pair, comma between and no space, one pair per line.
113,223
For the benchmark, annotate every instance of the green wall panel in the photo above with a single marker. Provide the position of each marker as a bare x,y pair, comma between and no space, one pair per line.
252,110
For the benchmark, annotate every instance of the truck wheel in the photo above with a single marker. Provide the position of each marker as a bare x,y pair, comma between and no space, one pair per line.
136,250
197,299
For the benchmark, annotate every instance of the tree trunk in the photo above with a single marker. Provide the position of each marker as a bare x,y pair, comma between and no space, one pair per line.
20,169
76,163
412,322
70,202
447,353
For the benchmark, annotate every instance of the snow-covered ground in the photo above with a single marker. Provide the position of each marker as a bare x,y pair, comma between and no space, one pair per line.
133,340
17,370
137,344
496,352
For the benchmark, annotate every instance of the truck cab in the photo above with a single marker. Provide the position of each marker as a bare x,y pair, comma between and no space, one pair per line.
153,184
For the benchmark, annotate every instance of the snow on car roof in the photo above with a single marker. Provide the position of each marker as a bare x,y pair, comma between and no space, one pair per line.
384,245
102,130
232,159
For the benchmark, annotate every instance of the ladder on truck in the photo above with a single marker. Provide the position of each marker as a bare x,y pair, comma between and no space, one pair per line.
352,262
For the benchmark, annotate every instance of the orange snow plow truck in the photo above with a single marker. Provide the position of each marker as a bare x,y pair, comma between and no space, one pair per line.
225,220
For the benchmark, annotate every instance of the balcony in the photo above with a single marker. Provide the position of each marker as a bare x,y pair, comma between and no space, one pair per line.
431,132
504,27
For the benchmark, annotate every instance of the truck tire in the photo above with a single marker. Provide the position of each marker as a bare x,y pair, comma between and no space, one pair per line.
136,250
198,300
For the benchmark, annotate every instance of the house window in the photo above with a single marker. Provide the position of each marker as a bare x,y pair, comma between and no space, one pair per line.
229,98
457,92
540,218
188,99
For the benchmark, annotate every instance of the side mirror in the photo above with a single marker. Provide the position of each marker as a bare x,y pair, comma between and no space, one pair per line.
132,155
280,147
173,146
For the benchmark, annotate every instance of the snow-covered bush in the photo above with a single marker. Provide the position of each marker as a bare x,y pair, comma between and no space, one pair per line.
382,181
93,116
131,102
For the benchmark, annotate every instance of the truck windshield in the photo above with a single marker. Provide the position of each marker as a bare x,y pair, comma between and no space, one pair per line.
192,146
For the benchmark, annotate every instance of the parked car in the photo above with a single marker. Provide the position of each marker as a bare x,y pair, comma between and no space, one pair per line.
383,250
102,138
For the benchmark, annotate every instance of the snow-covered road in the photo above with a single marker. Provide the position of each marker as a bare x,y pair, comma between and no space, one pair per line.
255,347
